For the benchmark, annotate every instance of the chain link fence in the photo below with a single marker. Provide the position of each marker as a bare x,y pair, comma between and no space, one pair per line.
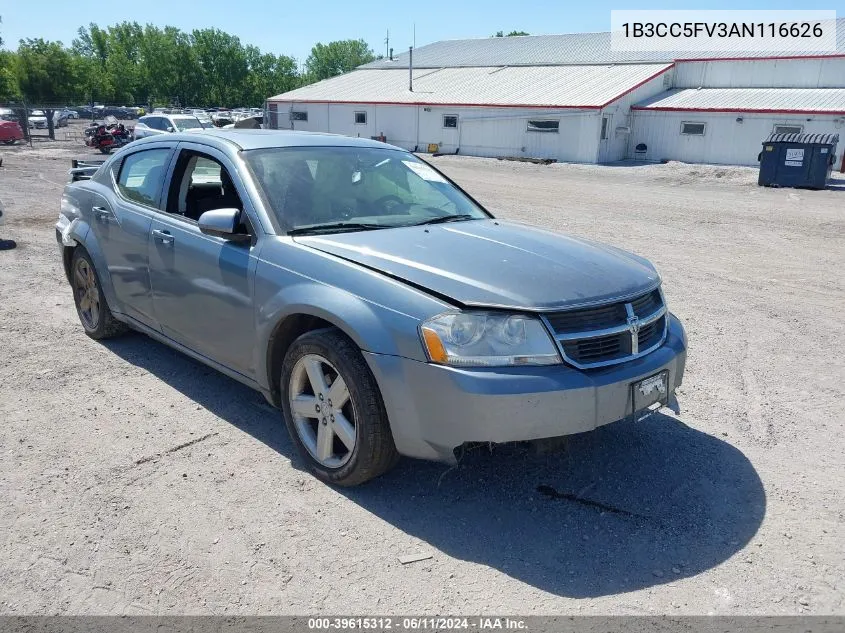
58,121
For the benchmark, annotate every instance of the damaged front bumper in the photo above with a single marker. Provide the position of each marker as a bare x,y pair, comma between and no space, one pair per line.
433,409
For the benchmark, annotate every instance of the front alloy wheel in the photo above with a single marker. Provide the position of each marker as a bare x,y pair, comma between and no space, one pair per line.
333,409
322,410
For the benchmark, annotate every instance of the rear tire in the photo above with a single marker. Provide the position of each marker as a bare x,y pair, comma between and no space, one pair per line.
94,314
346,441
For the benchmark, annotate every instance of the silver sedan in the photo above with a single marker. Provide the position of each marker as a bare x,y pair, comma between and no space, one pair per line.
380,307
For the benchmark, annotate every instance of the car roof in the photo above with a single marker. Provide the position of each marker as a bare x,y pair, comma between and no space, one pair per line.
265,139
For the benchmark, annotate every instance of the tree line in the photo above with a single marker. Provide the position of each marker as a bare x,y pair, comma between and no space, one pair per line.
131,64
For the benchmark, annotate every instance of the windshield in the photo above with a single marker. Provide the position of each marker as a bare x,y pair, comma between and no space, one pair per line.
355,186
191,123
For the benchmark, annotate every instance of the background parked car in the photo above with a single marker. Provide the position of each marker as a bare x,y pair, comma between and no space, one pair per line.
10,132
118,112
37,119
153,124
60,118
8,114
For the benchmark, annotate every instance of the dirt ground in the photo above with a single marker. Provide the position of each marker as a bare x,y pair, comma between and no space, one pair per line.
136,481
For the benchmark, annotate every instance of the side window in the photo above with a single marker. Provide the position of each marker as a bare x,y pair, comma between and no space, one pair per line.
203,185
142,175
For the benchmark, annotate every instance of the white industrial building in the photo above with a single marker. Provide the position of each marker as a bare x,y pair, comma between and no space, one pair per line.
571,98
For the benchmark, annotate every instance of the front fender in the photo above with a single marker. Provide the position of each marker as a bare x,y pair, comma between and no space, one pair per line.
373,327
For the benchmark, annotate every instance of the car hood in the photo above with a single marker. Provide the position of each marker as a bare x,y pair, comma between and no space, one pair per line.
493,263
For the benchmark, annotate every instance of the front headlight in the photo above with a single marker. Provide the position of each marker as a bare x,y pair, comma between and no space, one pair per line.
487,339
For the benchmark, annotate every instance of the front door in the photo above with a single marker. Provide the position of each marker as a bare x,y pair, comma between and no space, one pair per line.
202,284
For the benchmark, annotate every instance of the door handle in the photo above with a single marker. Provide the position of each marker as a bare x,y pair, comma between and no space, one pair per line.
103,214
163,237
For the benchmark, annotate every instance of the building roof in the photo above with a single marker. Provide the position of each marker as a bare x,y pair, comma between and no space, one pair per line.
569,48
764,100
536,86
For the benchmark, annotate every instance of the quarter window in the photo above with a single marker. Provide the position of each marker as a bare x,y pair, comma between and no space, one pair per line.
298,115
693,129
544,126
142,175
360,118
450,120
788,129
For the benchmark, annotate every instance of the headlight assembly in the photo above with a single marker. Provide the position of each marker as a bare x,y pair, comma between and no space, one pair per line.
487,339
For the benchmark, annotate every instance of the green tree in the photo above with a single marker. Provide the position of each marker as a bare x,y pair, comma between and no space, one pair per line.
127,63
268,75
222,62
511,34
8,82
47,72
336,58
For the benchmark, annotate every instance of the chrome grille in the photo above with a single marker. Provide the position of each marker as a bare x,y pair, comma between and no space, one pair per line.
612,333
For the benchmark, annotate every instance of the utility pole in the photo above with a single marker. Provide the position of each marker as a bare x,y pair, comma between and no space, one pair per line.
387,44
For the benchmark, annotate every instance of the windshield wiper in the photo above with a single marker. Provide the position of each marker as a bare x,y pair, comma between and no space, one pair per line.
445,218
335,227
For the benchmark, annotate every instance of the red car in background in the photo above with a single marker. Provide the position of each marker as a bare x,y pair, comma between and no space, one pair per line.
10,132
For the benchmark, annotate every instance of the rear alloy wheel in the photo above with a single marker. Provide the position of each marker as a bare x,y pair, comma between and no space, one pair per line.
333,409
94,314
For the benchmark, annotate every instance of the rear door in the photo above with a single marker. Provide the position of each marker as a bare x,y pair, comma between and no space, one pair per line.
121,223
203,285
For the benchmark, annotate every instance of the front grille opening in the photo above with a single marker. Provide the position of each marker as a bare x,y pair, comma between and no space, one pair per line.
588,320
598,349
592,351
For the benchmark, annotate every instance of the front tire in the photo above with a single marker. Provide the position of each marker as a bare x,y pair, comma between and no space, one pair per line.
333,409
94,314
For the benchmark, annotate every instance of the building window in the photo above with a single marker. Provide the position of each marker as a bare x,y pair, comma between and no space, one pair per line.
298,115
604,124
693,129
360,118
450,120
543,126
788,129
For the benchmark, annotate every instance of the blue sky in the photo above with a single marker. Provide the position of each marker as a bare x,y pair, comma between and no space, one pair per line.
293,27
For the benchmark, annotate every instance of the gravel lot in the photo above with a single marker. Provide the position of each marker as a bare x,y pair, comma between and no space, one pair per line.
136,481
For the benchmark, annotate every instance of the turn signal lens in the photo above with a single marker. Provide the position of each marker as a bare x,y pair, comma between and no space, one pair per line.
435,349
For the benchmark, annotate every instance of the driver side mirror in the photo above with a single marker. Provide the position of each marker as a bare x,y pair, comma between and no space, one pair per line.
170,128
223,223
